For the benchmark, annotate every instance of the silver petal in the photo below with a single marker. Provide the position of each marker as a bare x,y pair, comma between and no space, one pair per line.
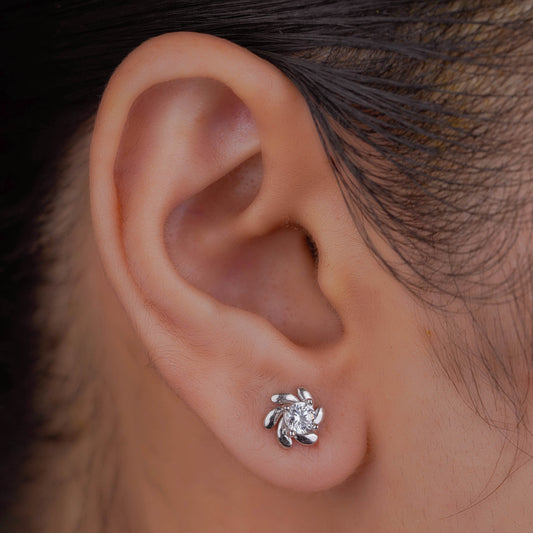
284,398
273,417
319,415
304,394
310,438
283,438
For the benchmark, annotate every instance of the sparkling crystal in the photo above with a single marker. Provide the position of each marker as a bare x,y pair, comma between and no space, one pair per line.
299,418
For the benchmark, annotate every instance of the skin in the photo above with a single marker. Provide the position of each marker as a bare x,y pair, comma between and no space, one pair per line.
201,300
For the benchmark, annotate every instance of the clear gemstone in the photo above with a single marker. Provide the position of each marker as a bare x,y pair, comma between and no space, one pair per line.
299,418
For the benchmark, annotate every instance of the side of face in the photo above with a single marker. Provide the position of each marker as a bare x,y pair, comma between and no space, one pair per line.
224,234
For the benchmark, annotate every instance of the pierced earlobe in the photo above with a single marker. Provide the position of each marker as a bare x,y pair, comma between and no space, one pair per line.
296,418
209,231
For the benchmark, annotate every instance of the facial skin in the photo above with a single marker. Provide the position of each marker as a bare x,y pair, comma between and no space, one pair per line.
201,300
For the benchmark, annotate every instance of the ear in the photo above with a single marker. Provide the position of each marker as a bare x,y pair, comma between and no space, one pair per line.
209,190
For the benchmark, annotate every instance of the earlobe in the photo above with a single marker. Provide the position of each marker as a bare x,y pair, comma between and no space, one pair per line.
201,212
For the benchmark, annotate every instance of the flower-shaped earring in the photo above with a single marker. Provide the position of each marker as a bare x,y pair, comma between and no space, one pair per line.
296,418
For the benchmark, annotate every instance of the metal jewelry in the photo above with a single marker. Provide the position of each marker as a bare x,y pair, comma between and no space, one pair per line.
296,418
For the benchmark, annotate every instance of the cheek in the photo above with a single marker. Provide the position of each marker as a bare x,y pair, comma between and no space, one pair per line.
486,351
429,449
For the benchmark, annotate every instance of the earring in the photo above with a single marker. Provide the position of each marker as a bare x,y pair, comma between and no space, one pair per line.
296,418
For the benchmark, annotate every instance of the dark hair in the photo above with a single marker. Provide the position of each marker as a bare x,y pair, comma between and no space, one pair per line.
436,89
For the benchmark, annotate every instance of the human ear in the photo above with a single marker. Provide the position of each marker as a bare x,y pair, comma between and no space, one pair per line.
209,188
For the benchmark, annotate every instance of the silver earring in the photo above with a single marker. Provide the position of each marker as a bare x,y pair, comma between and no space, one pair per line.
296,418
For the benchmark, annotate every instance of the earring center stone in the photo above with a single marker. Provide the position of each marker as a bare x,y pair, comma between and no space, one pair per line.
299,417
